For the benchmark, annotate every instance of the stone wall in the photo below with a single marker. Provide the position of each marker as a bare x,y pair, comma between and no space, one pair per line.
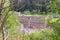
31,23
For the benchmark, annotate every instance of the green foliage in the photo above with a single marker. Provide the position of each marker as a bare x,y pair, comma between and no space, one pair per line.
8,17
54,22
34,12
11,21
27,12
38,6
52,7
43,34
0,1
7,3
58,6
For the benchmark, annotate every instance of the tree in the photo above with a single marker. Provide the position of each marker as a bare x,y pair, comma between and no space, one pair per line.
7,17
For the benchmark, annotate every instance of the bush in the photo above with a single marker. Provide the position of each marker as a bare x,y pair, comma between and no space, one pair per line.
43,34
27,12
54,22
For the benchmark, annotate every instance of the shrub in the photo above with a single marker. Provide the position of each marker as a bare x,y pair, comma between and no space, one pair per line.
27,12
54,22
43,34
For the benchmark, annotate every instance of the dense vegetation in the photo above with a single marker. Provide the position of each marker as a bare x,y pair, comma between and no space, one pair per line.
8,19
37,7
